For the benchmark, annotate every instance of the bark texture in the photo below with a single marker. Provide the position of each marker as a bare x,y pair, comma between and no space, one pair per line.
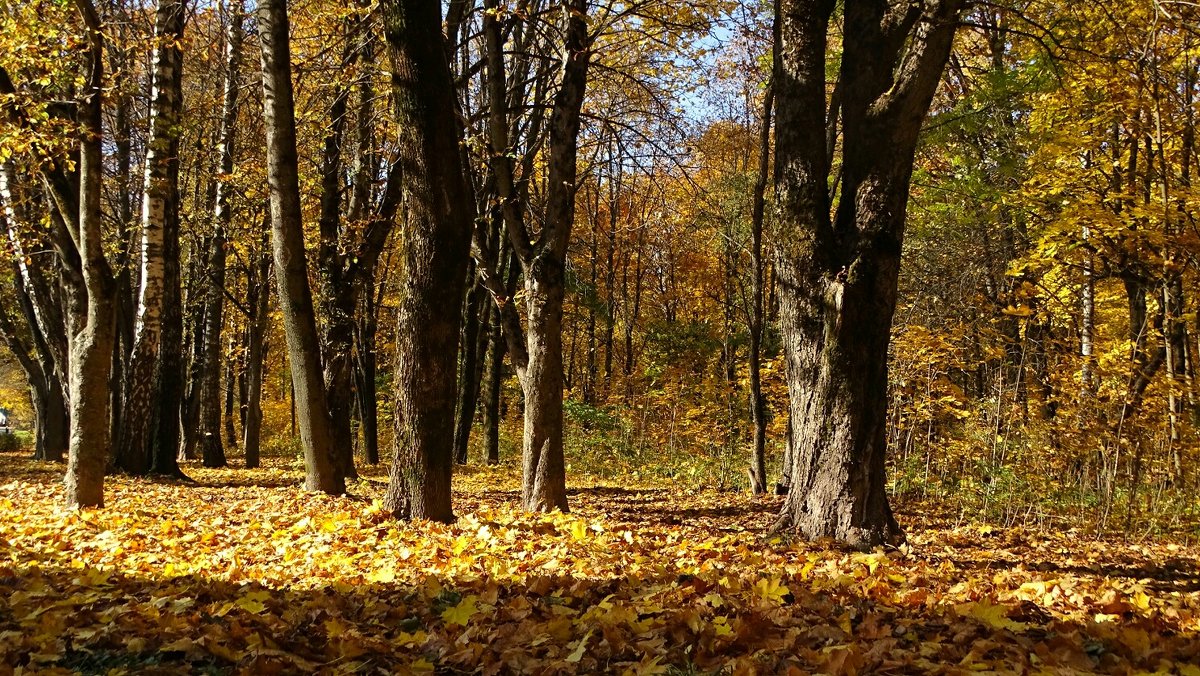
838,266
536,351
91,319
160,213
212,451
434,254
291,268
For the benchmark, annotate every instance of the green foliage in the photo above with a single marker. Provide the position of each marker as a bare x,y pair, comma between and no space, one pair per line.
16,440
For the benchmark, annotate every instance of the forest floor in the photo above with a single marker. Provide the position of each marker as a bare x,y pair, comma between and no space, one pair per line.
244,572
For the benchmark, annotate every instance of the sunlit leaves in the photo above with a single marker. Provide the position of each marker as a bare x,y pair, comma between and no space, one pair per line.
637,580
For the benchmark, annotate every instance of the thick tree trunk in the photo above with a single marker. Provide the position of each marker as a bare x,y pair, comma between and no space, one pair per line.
338,376
435,250
336,287
838,276
291,268
212,450
537,352
543,485
169,373
160,213
160,204
91,317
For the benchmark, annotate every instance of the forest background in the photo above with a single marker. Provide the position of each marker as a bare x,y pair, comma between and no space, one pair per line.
1043,358
228,232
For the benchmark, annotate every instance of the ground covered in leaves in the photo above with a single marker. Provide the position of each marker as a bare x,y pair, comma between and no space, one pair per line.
243,572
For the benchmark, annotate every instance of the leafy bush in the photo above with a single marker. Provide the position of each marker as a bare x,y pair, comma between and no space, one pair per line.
17,440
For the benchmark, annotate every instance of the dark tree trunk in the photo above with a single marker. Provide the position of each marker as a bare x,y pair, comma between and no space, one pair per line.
189,412
336,289
212,451
365,372
758,403
169,373
495,367
291,268
838,275
435,250
230,384
256,352
491,400
475,326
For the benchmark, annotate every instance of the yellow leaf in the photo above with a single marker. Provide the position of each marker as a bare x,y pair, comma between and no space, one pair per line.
461,613
579,530
253,602
720,625
383,576
580,646
772,590
994,616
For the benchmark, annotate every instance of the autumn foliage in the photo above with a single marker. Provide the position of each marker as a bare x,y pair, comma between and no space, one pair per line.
243,572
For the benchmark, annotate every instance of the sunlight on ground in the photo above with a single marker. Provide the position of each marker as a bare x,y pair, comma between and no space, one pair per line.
244,572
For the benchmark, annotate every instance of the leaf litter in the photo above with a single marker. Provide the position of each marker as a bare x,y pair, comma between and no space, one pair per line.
245,573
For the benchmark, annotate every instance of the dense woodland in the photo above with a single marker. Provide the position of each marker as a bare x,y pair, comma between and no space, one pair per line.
889,276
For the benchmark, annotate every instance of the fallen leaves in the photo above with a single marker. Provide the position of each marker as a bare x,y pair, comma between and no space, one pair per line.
244,572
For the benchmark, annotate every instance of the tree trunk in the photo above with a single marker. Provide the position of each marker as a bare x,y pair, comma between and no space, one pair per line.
169,373
543,486
291,268
838,275
758,403
91,328
211,449
160,212
495,368
189,412
437,227
256,353
336,295
474,327
44,359
491,400
365,369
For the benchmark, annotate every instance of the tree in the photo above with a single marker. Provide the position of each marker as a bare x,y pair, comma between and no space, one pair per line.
91,328
291,268
434,253
838,264
536,350
144,403
211,449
